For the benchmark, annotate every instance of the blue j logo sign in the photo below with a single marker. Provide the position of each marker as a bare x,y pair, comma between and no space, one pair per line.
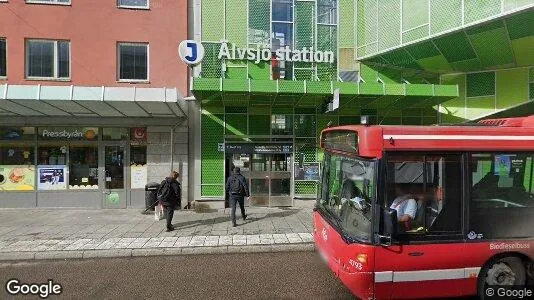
191,52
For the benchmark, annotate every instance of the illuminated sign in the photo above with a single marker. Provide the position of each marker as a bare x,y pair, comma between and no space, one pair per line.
345,141
258,148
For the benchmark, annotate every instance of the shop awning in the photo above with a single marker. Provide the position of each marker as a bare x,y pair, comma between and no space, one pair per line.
235,92
80,101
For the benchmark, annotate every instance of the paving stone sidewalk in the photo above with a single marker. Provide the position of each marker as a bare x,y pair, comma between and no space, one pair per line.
58,234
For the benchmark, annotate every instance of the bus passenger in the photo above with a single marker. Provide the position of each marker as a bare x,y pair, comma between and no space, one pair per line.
405,205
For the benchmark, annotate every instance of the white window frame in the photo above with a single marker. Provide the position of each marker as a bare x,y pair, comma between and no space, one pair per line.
119,79
119,5
56,61
52,2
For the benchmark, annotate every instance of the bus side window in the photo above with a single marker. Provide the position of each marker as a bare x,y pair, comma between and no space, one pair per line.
444,187
502,200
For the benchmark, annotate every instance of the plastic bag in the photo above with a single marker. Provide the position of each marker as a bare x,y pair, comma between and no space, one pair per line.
159,212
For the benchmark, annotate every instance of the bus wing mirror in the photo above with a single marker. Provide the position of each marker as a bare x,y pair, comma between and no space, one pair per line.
390,222
301,160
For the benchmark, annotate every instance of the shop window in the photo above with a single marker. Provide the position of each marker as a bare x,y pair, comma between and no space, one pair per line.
138,166
282,124
133,61
17,171
114,134
52,167
48,59
83,166
17,133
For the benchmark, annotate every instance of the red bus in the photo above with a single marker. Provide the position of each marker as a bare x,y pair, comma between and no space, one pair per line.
427,211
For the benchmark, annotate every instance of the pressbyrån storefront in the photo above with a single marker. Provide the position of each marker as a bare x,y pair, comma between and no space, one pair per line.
103,162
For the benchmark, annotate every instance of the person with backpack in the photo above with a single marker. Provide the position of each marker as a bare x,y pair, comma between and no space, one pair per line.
237,189
170,195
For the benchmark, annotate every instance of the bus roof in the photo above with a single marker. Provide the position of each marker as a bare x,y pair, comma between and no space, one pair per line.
486,135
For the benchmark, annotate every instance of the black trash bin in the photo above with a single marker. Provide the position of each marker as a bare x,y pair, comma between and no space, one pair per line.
151,189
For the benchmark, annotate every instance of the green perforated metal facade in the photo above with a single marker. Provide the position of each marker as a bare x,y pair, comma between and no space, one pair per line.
411,62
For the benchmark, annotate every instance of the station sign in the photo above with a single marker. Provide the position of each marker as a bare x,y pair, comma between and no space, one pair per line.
255,148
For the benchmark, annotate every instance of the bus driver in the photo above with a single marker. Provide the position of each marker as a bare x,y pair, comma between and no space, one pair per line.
405,205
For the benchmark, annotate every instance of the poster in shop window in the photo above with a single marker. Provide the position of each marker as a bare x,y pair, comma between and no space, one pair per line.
309,171
17,178
52,177
139,176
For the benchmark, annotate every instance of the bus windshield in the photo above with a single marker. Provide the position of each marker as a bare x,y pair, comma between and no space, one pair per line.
348,189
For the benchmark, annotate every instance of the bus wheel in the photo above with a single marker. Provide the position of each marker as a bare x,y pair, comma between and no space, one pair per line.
502,272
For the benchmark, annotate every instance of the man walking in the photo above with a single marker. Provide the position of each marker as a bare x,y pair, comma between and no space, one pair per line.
237,189
170,194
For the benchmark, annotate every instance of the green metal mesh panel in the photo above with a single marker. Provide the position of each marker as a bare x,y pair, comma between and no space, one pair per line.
259,124
305,187
531,75
492,47
415,34
305,110
235,109
261,71
236,124
304,24
475,10
445,15
304,74
327,71
367,13
259,21
211,20
308,147
212,190
422,50
236,70
414,13
236,22
513,4
389,23
305,125
480,84
531,91
211,65
327,38
346,23
455,47
520,26
212,166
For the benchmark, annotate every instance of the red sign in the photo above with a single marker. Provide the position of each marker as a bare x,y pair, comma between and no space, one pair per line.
138,134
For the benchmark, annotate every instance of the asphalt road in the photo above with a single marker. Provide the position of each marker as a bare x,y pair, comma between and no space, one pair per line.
292,275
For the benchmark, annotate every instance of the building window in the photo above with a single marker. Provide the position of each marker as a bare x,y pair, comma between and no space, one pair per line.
134,4
133,62
48,59
283,10
83,167
3,58
327,12
61,2
282,25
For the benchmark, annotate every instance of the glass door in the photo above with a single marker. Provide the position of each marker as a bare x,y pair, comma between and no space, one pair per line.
280,180
114,176
260,179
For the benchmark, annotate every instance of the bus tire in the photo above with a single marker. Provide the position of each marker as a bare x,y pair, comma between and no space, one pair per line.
508,270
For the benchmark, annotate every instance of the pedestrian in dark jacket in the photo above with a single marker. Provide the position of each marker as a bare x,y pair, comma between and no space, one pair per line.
170,195
237,189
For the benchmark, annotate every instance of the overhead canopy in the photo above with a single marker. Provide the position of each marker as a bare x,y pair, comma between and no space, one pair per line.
236,92
78,101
